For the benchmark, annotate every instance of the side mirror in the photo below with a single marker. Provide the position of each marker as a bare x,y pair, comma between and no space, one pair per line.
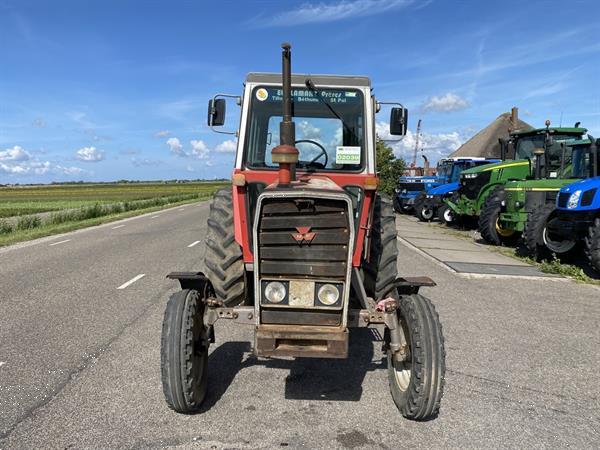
398,121
216,112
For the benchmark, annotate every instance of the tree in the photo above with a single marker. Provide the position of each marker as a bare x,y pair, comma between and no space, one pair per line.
389,167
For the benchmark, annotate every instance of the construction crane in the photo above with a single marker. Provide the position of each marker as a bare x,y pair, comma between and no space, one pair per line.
414,161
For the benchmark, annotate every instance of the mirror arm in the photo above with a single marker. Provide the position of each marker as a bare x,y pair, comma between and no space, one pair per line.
238,101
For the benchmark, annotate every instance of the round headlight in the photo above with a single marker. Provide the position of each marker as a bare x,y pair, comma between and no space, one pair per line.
328,294
275,292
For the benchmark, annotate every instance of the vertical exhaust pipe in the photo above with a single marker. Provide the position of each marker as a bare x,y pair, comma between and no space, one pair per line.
286,154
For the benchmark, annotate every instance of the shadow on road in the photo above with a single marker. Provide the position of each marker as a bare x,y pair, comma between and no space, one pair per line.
309,378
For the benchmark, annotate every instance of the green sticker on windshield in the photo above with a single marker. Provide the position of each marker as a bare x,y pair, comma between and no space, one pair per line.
345,154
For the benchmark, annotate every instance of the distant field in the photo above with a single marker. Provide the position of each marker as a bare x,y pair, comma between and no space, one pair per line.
19,201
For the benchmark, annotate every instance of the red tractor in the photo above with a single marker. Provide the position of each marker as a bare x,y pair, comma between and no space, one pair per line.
302,247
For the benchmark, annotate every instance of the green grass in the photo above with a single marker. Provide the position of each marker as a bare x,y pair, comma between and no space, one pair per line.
71,207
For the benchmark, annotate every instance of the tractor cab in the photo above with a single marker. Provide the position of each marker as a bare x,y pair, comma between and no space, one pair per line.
302,247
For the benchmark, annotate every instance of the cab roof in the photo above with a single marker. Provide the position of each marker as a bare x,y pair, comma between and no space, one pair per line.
553,130
300,79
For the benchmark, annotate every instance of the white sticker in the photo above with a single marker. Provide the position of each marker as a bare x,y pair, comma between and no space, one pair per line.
347,155
262,94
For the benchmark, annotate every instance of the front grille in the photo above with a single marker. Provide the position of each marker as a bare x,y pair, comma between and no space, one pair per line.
411,187
588,197
470,187
563,198
281,253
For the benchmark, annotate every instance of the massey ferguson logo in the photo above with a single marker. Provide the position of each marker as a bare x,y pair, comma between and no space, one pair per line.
303,236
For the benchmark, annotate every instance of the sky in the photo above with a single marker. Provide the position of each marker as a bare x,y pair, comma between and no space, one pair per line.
116,89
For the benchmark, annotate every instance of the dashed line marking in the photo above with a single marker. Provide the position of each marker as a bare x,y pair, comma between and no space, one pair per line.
193,244
133,280
2,363
59,242
154,217
118,226
181,209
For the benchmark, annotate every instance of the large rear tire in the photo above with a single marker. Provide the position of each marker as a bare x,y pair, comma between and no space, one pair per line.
592,245
417,384
540,244
489,225
184,352
223,259
381,270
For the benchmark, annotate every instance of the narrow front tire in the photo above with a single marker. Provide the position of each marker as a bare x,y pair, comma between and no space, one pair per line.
417,384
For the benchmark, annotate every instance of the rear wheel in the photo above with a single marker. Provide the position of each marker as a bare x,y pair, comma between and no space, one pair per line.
539,242
223,258
184,352
489,225
446,214
417,384
592,245
381,270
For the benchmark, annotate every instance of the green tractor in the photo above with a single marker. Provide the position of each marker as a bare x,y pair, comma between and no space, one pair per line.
479,183
524,207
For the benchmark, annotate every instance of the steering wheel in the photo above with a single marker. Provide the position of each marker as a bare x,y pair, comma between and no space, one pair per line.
323,151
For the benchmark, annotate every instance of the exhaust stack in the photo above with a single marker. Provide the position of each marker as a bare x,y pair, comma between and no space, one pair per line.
286,154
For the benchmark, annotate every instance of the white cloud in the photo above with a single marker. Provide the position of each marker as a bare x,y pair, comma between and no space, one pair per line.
434,146
89,154
200,149
176,147
17,161
229,146
16,153
308,131
330,12
161,134
445,103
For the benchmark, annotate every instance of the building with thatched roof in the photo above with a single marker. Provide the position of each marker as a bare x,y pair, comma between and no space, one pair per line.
485,143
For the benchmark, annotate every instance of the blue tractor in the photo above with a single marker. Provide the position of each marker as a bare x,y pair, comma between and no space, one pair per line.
576,218
430,203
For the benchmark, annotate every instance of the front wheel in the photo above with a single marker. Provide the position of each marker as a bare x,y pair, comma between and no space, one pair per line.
592,245
424,213
184,352
417,384
540,243
489,224
446,214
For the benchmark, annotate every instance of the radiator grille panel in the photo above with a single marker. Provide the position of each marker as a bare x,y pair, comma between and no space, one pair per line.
322,255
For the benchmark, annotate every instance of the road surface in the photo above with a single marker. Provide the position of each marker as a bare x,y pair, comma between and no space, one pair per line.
79,357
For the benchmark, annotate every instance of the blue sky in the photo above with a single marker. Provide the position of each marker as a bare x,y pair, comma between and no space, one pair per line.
104,90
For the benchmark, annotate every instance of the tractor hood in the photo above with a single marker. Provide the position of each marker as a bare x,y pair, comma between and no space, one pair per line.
582,185
313,183
444,189
494,166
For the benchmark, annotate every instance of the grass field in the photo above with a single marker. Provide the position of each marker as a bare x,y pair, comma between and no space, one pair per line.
27,212
18,201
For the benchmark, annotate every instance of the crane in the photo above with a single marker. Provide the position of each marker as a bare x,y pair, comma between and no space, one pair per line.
414,161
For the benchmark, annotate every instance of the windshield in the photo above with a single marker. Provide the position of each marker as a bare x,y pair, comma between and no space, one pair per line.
525,146
444,169
581,162
330,128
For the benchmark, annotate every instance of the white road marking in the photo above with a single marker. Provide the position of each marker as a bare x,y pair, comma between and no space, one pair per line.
154,217
181,209
60,242
2,363
118,226
133,280
193,244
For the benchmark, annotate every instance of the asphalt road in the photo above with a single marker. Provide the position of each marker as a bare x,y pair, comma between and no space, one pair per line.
79,357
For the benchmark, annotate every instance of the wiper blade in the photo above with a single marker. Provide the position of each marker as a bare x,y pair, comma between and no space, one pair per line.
311,86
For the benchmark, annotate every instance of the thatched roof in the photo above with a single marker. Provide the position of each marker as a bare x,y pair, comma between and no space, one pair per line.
485,143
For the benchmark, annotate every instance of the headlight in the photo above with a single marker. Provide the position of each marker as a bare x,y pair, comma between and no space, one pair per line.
574,200
275,292
328,294
404,191
470,175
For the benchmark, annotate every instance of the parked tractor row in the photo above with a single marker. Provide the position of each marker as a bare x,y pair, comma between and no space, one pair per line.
543,193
